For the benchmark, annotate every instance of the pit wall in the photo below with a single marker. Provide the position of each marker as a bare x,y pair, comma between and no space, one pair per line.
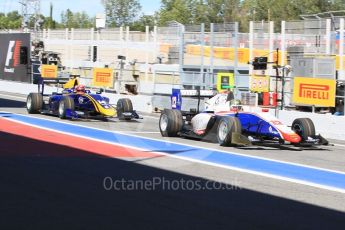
332,127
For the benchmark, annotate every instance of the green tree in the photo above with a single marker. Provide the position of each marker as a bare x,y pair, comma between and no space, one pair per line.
121,12
76,20
143,21
3,21
11,20
221,11
181,11
199,11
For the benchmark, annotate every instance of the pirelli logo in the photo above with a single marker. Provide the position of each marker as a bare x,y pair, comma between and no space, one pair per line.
49,71
103,77
314,91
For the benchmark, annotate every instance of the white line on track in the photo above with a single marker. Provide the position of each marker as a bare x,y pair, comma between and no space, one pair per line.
151,117
11,96
136,132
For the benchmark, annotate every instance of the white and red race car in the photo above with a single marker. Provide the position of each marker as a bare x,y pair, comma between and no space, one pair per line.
228,122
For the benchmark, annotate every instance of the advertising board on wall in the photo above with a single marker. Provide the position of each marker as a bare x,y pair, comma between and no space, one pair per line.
102,77
314,91
225,81
49,71
14,57
259,84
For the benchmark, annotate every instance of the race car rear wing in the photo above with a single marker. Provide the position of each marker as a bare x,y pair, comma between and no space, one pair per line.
195,92
65,82
177,94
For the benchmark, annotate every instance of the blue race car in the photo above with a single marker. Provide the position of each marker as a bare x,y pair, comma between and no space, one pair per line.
229,123
77,102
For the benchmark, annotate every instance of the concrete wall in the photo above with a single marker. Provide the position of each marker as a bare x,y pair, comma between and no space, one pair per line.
327,125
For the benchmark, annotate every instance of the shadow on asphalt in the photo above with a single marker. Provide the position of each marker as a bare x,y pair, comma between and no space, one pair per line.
7,103
49,186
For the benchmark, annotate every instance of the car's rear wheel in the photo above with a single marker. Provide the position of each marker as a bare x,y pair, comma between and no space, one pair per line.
227,126
66,103
34,103
170,122
124,105
304,127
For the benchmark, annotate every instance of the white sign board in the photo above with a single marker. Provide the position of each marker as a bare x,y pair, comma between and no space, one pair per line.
100,21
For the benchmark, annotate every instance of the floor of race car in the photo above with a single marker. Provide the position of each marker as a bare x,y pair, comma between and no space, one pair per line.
55,184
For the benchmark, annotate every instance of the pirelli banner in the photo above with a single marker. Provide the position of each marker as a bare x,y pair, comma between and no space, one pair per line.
49,71
102,77
314,91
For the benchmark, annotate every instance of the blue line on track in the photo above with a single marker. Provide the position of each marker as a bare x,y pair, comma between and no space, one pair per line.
290,171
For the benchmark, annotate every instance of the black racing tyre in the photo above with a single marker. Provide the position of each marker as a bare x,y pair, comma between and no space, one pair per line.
170,122
304,127
124,105
65,103
227,126
34,103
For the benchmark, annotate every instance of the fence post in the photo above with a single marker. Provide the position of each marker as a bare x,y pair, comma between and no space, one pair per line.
127,41
121,40
212,53
282,43
156,47
146,50
92,31
251,45
236,52
202,77
328,36
72,48
48,38
271,40
341,50
98,34
181,53
66,56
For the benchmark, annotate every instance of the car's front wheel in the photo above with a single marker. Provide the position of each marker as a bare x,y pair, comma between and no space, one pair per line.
227,126
124,105
304,127
65,104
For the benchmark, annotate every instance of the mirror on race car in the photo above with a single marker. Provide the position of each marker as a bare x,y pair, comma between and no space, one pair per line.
100,91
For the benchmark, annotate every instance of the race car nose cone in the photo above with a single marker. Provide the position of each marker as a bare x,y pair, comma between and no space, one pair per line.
292,137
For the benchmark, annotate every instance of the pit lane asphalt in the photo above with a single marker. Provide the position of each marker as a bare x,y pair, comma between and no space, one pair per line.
261,203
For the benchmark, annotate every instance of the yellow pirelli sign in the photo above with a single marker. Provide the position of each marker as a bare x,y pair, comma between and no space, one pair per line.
314,91
49,71
102,77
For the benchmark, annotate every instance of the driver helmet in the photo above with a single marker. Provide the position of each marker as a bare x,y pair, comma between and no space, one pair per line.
235,105
235,102
80,89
